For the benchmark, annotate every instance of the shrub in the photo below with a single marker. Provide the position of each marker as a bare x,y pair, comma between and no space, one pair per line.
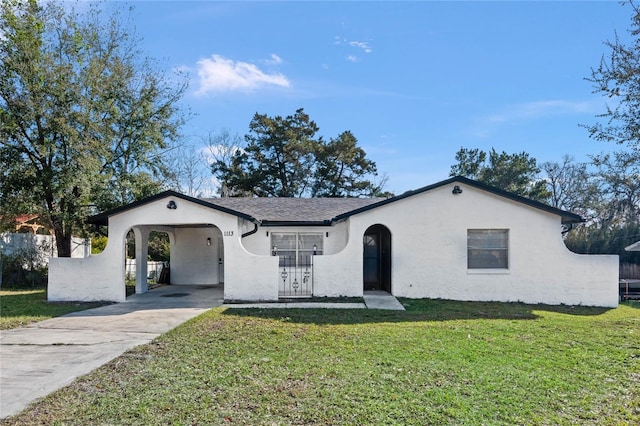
26,267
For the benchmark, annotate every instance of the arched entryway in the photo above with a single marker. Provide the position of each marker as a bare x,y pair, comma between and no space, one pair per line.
377,258
196,251
147,253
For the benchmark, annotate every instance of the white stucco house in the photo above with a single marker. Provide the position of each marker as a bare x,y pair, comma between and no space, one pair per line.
456,239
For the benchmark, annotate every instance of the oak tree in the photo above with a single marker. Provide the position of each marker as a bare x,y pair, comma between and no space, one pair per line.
617,79
84,117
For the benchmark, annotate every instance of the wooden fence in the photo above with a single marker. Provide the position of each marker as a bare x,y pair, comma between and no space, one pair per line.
629,271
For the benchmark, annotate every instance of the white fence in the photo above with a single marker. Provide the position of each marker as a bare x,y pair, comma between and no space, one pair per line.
154,268
38,249
43,245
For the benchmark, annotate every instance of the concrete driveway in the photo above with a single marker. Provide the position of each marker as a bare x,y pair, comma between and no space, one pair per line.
45,356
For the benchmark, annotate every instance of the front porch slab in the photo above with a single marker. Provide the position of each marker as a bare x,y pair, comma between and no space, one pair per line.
381,300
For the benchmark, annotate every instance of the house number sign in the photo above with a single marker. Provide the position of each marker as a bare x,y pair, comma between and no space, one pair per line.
228,233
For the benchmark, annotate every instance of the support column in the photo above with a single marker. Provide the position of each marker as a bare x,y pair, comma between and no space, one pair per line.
142,251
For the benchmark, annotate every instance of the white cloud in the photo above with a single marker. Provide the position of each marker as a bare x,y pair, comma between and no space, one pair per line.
532,110
219,74
275,60
362,45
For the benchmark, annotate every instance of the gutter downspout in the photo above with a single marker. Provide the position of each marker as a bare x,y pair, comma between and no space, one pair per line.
253,231
568,228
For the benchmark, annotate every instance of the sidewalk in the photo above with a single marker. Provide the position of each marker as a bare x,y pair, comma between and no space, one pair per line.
372,300
45,356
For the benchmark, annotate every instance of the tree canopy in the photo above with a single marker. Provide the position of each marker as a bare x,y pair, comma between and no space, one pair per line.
517,173
617,78
83,116
572,186
616,219
284,157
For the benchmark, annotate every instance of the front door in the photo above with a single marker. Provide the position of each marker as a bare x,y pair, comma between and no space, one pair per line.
220,261
377,258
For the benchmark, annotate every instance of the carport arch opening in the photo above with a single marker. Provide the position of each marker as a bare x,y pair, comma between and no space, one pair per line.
196,255
147,254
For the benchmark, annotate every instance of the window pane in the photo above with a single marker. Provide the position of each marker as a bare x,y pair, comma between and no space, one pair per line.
304,258
487,239
307,241
283,241
296,249
487,249
287,258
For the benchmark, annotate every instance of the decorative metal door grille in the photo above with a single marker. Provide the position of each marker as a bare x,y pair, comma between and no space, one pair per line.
296,251
296,280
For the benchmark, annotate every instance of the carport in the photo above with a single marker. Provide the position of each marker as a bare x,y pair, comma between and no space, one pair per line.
197,254
204,238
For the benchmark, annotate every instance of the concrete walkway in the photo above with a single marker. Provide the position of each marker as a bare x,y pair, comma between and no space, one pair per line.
296,305
372,300
382,300
43,357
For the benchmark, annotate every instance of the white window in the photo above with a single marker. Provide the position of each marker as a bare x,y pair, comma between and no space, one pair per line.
488,249
296,248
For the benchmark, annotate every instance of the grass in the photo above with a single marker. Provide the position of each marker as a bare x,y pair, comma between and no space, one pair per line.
439,362
22,307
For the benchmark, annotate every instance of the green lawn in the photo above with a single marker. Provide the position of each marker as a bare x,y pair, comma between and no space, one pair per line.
23,307
440,362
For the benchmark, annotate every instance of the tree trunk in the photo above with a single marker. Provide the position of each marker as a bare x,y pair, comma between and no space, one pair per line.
63,240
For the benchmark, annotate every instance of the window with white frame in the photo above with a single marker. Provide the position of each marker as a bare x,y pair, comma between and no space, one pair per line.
296,248
487,248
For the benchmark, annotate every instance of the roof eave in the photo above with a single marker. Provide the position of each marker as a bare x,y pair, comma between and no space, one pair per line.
102,219
272,223
566,217
633,247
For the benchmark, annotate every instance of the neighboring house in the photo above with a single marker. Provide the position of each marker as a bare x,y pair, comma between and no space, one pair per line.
38,239
629,282
457,239
28,221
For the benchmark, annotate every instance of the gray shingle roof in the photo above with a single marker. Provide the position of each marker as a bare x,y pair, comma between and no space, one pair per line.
311,211
293,209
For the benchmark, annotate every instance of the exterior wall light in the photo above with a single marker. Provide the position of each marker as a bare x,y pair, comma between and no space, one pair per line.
456,190
315,249
274,252
172,205
209,241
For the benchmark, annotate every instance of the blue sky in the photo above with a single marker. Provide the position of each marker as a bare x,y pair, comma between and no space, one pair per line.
413,81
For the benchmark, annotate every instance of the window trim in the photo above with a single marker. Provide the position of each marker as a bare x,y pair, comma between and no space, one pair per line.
496,270
298,249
